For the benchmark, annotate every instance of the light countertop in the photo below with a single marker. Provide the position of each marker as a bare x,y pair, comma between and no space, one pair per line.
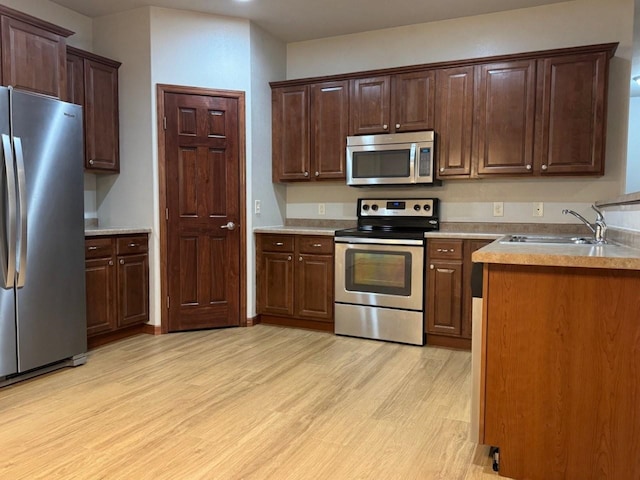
464,235
297,230
565,255
94,232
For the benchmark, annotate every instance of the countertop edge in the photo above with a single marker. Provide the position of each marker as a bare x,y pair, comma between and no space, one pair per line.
611,256
290,230
96,232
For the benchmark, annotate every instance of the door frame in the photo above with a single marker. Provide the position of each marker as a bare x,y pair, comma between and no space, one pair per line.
161,89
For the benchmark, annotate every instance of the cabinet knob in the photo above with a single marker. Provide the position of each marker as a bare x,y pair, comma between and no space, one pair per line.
317,174
91,248
385,126
289,258
300,259
91,162
111,263
544,167
528,167
431,267
121,261
441,169
133,245
306,174
317,245
278,244
397,125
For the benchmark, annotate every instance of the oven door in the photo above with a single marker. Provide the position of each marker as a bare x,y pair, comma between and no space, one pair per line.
380,273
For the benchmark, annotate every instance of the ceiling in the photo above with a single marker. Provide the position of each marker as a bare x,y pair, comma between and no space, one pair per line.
299,20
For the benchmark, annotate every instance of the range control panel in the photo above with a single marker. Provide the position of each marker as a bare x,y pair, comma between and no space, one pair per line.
398,207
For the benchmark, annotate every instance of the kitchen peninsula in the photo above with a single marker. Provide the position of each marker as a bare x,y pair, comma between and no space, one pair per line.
560,386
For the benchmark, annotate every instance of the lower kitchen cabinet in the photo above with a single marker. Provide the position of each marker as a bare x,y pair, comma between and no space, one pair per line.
295,280
117,286
448,291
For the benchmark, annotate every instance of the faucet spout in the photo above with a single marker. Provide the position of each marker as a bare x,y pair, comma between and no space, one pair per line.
598,228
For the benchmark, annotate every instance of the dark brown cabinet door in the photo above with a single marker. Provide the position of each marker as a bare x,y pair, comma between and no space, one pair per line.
75,79
276,290
314,287
571,137
291,150
101,116
454,121
33,58
93,83
445,297
133,291
506,94
101,295
329,128
413,101
369,105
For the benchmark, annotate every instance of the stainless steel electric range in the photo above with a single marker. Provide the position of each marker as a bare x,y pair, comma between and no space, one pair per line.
379,269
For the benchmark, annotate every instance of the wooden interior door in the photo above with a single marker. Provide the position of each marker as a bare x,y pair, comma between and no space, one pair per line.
202,158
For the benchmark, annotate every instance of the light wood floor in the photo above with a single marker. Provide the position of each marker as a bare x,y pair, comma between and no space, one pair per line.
245,403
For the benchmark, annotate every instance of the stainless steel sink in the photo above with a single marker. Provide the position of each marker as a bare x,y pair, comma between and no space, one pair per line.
549,239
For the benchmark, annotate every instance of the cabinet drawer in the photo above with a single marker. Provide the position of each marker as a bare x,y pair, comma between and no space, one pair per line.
98,247
276,243
315,244
446,249
128,245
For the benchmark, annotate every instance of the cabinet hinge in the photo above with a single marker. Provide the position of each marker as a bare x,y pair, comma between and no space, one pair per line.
164,122
167,301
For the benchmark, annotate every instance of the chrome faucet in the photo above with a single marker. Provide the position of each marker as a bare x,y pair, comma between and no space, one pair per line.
599,227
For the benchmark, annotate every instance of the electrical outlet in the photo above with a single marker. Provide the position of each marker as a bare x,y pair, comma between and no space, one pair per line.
321,209
538,209
498,209
257,207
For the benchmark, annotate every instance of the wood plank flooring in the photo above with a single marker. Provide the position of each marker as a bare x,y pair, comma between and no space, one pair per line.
246,403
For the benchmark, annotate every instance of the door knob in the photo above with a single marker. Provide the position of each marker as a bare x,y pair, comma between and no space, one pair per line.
229,226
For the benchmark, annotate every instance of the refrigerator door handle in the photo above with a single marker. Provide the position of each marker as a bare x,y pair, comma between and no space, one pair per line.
9,263
22,197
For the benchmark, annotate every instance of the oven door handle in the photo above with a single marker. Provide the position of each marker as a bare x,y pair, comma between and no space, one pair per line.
379,241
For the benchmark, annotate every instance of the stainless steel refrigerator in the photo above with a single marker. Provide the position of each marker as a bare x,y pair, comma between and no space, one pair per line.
42,299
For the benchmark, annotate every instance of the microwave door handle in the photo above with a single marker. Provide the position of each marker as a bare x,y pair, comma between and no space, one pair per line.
413,171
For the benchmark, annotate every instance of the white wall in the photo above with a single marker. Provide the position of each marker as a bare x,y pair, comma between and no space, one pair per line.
633,147
268,63
559,25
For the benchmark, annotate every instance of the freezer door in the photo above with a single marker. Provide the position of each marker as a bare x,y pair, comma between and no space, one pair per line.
8,356
50,293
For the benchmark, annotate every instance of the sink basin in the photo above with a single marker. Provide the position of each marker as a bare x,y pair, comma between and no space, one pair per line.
549,239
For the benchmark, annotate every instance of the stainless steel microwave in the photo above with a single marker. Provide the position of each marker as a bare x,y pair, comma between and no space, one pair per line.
395,159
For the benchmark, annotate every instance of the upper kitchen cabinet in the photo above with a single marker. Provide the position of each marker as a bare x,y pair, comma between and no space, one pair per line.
329,127
93,83
572,113
33,54
526,115
454,121
404,102
505,102
310,124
